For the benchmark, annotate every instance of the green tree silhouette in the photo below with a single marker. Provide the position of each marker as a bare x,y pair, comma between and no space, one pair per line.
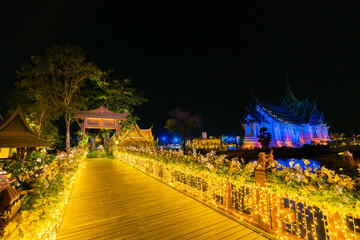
264,138
182,123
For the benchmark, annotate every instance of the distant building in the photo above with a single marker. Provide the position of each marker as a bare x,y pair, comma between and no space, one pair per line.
222,143
205,144
292,124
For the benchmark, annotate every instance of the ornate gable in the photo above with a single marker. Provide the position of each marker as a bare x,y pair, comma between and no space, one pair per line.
15,132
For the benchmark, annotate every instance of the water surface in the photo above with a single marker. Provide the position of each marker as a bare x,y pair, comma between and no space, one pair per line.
286,162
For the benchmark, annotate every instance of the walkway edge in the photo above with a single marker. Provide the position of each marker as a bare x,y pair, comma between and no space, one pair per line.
248,225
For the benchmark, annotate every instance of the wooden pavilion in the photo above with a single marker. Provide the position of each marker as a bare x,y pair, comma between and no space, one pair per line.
16,133
100,118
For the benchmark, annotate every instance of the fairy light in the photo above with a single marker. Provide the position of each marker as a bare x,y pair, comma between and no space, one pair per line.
244,200
46,228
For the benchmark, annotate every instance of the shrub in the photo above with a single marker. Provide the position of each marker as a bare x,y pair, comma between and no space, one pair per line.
44,183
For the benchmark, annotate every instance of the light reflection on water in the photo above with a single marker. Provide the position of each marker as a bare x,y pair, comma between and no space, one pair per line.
286,162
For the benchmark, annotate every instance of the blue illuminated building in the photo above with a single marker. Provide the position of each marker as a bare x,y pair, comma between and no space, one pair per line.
292,124
168,142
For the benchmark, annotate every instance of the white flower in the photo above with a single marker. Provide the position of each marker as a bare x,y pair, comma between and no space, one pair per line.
38,159
291,163
235,162
204,159
36,175
339,189
299,177
210,166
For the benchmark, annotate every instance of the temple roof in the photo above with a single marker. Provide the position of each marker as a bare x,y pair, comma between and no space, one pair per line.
15,132
135,133
275,111
291,110
101,112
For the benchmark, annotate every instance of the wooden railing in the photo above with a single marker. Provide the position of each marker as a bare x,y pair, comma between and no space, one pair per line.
285,217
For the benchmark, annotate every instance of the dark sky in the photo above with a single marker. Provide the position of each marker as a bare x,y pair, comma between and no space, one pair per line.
202,58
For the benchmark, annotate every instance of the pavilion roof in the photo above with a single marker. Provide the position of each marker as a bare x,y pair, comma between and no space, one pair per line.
15,132
101,112
135,133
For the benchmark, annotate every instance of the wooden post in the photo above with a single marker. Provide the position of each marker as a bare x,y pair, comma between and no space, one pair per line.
117,127
260,179
84,128
230,205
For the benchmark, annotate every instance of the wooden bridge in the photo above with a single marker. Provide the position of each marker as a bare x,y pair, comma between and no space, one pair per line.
112,200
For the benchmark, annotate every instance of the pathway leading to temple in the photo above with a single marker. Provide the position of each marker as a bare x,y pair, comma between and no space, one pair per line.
112,200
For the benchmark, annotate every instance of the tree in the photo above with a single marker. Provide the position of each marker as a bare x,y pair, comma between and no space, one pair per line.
220,129
117,95
38,114
264,138
352,127
183,123
53,83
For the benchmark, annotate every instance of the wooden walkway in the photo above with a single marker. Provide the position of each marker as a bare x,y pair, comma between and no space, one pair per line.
112,200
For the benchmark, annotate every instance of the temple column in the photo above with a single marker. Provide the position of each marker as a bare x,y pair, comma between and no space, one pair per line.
246,130
276,131
327,133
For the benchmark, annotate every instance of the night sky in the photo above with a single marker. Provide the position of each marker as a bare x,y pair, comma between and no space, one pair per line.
202,58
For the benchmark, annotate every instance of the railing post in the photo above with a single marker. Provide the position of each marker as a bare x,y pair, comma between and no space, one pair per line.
262,201
230,205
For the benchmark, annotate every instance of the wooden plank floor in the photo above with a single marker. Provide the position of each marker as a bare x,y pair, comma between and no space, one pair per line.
112,200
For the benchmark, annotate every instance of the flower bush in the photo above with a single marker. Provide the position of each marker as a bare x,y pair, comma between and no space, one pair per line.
318,187
321,187
234,169
44,183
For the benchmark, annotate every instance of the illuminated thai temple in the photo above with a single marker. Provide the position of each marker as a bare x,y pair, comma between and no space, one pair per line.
292,124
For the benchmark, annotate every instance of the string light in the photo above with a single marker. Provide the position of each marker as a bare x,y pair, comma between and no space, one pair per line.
46,227
257,204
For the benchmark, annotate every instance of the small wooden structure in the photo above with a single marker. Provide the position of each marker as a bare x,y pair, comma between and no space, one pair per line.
16,133
137,137
100,118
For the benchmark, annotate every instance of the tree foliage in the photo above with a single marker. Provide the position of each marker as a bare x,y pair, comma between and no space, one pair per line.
352,127
61,82
117,95
51,85
183,123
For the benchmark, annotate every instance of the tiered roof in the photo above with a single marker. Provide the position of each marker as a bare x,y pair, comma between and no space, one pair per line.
137,134
291,110
15,132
